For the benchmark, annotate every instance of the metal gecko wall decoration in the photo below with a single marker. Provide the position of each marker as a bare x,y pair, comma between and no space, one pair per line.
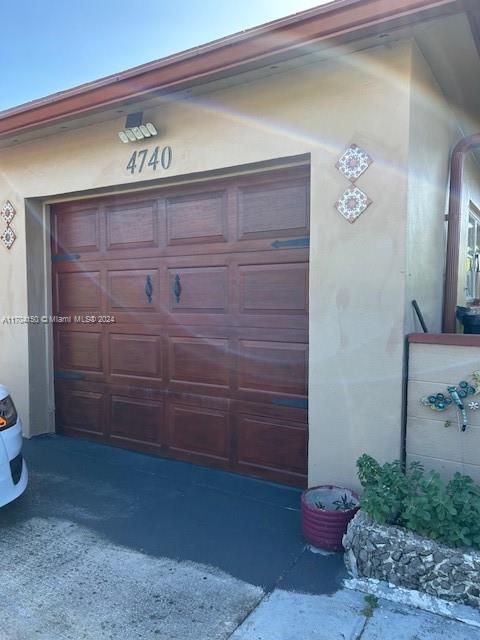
455,396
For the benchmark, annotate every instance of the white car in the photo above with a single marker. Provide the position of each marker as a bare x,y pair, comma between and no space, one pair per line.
13,470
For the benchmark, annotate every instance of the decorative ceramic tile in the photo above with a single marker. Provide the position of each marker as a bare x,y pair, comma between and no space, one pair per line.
8,237
7,212
354,162
353,203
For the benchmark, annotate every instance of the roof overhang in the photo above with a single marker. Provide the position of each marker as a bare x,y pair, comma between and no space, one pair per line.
337,23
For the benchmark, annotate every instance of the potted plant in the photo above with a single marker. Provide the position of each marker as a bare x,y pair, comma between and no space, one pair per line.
326,511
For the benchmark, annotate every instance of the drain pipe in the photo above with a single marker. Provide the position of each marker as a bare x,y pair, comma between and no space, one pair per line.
453,234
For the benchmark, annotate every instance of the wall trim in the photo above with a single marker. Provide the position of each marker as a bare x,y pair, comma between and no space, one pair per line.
455,339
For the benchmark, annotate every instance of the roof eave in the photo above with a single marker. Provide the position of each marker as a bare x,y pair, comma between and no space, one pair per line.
343,20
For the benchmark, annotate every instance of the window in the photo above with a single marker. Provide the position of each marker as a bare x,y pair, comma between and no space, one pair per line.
472,285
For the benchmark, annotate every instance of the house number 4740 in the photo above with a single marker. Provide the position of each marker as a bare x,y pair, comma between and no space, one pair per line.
139,160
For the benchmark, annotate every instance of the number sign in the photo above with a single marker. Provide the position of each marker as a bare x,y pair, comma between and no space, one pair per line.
140,160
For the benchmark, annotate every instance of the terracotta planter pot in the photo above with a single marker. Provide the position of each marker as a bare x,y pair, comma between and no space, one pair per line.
325,527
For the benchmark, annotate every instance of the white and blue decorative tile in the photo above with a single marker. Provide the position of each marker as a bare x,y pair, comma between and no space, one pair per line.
8,237
8,212
353,203
354,162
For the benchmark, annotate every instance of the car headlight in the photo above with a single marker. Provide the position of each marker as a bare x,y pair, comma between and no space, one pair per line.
8,413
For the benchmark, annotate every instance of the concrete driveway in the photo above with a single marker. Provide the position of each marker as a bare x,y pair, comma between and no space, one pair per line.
108,543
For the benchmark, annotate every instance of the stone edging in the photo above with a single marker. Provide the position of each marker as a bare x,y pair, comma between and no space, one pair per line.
405,559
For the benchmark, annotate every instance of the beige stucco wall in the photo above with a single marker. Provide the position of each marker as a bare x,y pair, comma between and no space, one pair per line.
357,290
14,338
432,136
434,132
446,449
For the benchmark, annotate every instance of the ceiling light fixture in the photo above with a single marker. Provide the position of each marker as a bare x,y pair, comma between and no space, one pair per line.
135,129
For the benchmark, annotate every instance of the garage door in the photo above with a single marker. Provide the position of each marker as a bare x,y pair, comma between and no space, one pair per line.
188,331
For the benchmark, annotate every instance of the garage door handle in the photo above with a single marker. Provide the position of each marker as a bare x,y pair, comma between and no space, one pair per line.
148,288
177,288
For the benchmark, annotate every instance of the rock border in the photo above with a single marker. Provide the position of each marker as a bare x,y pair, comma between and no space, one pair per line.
405,559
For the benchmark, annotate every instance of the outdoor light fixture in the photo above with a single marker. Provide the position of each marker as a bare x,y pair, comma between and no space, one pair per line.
135,129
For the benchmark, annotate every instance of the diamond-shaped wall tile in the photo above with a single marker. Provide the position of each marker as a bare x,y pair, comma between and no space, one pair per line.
352,203
354,162
8,237
8,212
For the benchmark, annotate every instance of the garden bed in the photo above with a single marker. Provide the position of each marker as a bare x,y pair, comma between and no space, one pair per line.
403,558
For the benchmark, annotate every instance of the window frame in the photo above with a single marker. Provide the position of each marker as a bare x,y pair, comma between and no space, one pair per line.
473,216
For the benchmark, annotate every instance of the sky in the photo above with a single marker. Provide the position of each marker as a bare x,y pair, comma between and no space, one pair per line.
51,45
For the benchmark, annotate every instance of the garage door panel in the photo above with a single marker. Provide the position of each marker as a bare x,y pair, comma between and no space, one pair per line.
199,430
79,350
274,288
132,227
200,362
196,218
271,443
294,413
139,392
79,232
136,419
272,367
136,357
78,291
278,209
272,334
81,410
199,290
133,290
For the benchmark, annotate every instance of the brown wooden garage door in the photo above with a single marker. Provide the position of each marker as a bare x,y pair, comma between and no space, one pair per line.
207,358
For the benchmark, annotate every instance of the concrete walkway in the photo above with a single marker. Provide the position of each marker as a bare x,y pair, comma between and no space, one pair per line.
345,615
108,544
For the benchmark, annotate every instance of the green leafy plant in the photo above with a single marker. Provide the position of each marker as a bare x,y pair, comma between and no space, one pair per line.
344,504
421,501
